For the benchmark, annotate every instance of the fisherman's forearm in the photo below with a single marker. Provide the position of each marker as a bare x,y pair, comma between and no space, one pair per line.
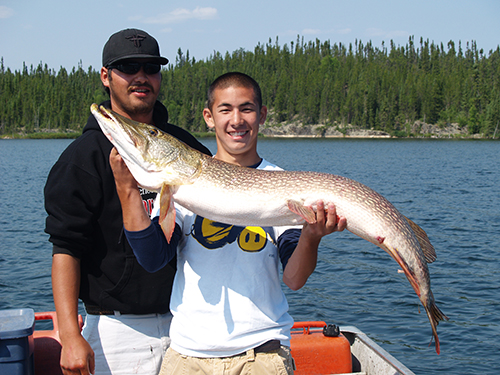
77,357
302,262
135,217
65,288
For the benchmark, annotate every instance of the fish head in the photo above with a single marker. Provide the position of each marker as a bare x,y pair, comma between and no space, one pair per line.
154,158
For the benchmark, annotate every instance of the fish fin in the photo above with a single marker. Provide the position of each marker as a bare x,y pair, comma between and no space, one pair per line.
167,212
410,275
433,313
425,243
435,316
307,213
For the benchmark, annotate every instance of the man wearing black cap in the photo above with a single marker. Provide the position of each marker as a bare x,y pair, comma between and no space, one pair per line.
128,317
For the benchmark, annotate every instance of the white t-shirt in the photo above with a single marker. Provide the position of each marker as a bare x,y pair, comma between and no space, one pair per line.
227,295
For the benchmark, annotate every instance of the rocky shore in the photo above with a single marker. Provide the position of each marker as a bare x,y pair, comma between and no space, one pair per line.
418,129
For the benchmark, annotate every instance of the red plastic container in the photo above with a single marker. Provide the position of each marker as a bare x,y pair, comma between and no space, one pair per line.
315,353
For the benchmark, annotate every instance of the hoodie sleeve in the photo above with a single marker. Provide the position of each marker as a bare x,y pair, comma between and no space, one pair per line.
71,202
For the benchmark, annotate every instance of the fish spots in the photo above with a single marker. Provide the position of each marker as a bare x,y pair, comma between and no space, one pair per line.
380,239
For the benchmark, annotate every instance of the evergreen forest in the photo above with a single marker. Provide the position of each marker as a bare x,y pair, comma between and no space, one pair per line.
384,88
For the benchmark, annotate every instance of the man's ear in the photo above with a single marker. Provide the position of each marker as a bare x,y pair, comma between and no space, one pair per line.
263,115
105,76
209,119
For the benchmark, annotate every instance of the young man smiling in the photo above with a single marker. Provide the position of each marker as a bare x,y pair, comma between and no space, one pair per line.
230,314
235,113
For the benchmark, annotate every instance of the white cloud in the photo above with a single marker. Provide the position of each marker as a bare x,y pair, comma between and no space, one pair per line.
6,12
311,31
182,14
344,31
375,32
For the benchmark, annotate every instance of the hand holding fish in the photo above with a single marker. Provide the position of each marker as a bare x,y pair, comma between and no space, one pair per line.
123,178
135,217
327,221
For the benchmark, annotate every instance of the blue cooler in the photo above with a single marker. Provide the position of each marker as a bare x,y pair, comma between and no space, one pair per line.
16,341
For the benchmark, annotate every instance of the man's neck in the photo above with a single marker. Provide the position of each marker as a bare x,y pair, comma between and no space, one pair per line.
241,160
146,118
140,117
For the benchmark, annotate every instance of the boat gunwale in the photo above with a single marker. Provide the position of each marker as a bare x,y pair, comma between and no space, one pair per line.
352,334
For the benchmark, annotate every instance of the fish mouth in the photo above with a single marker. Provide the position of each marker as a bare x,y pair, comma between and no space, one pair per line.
127,135
105,114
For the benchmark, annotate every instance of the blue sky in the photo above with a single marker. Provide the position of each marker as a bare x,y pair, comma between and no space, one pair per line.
63,33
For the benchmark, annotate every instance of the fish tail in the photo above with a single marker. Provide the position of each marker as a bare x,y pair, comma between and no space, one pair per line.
435,316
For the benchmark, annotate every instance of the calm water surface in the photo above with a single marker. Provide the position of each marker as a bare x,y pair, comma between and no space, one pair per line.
450,188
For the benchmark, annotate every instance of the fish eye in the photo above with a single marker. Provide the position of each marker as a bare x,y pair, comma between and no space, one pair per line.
153,132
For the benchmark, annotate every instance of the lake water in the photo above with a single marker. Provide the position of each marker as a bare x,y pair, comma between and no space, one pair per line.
450,188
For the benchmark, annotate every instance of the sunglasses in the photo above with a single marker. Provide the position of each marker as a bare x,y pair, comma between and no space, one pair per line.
134,67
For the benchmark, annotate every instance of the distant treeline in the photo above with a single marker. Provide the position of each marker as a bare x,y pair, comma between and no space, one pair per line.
385,88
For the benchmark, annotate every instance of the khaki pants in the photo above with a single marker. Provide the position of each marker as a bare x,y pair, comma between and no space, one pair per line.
277,362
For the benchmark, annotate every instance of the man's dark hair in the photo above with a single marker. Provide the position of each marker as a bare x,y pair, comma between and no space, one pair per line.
233,79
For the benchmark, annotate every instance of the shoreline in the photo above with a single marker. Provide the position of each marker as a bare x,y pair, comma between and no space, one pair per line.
417,130
297,130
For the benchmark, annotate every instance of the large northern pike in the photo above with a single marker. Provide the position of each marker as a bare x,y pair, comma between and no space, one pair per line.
244,196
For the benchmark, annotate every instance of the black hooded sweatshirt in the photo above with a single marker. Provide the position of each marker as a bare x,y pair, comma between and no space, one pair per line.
85,221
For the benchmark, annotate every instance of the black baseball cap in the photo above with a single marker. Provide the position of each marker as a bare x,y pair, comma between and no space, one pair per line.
131,44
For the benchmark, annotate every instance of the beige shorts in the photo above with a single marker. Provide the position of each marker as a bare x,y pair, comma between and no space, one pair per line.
277,362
